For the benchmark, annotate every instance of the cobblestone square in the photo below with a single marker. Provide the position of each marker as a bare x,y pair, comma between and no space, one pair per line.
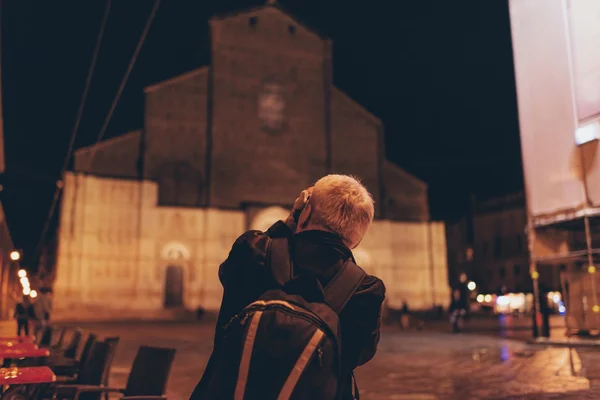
409,365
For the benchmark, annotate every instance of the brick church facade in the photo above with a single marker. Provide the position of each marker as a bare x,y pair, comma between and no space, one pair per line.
225,148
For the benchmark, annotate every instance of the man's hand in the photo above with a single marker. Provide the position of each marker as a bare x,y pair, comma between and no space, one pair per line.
299,205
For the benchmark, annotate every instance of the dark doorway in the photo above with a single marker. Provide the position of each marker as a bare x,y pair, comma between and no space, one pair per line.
174,287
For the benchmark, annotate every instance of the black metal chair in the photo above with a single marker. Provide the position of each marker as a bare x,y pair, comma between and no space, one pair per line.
114,341
147,380
62,366
62,332
92,373
43,337
70,350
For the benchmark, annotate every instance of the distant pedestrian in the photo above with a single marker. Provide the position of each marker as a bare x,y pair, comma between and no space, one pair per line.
42,307
405,316
544,311
23,313
457,311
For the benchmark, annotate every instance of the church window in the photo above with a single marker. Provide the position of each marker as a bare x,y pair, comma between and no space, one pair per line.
252,21
292,29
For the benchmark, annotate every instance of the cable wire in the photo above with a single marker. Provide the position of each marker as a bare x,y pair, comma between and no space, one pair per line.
59,183
124,81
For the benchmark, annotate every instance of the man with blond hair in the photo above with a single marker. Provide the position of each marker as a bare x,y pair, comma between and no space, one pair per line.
326,222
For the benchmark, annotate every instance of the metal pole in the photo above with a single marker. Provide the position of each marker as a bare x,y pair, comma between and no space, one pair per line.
590,260
534,276
431,264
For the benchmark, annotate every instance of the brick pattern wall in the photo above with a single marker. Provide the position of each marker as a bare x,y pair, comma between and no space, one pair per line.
175,139
355,144
250,164
406,196
116,157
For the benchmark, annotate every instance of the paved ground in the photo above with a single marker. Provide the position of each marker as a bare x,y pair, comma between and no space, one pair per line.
414,365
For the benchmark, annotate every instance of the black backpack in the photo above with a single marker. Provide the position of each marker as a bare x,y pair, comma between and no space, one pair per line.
286,345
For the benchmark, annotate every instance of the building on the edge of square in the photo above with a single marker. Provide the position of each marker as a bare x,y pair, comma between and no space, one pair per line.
147,217
489,245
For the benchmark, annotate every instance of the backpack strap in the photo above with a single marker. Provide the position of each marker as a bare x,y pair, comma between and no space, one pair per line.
279,261
343,286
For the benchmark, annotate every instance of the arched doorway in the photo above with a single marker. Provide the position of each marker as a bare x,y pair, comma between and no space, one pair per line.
174,286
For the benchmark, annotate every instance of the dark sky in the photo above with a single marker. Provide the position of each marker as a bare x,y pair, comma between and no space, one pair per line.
438,73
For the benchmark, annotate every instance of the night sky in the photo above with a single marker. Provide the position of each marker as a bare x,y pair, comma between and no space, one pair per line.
438,73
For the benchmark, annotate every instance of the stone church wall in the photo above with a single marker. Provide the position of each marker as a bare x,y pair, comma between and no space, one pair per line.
406,196
175,141
410,260
116,246
252,54
356,144
118,157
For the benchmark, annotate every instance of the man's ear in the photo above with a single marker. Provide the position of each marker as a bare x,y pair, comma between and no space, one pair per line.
305,216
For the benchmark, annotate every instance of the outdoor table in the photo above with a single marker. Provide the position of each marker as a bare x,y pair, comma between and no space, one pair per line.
24,339
26,376
9,354
17,345
26,382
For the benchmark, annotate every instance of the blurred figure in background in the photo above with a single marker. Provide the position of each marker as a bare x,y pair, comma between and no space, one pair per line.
405,316
23,313
42,307
458,309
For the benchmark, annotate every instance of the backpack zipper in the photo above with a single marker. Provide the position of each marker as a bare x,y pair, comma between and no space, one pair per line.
320,356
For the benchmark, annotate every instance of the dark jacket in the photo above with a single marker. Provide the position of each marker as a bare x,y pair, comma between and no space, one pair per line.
23,311
245,277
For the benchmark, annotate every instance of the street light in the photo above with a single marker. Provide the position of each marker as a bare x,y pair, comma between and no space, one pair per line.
15,255
471,286
22,273
26,291
33,294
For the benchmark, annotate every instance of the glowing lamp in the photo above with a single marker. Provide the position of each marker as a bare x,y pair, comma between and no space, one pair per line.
535,275
22,273
471,285
26,291
488,298
15,256
480,298
556,298
33,294
503,301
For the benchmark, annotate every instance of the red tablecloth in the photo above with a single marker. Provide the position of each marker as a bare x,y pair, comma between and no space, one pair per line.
26,375
17,345
23,352
28,339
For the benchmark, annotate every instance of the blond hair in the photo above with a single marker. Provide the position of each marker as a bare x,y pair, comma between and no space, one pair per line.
342,205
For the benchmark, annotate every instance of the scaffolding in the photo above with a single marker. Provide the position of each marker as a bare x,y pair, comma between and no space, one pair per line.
559,117
571,243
